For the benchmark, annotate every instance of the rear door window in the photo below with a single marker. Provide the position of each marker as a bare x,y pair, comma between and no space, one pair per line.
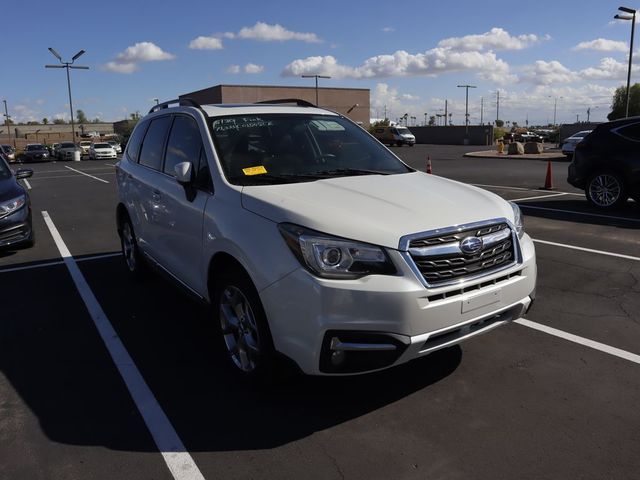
631,132
153,144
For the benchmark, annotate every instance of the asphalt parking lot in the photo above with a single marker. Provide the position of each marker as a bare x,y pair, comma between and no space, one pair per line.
555,397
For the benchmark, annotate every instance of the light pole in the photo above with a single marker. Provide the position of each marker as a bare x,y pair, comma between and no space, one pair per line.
7,118
316,77
555,107
425,119
67,66
632,17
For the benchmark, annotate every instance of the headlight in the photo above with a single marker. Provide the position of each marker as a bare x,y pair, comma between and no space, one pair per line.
518,219
12,205
333,257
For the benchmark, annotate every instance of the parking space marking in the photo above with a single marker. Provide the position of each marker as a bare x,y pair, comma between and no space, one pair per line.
59,262
587,214
82,173
536,197
71,175
111,164
521,188
98,257
590,250
178,460
632,357
27,184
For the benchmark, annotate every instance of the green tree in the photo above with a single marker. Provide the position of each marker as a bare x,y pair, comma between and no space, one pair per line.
81,117
45,121
499,123
379,123
59,121
619,102
432,120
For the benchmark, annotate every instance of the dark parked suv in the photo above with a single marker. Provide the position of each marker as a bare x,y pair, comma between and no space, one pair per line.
606,164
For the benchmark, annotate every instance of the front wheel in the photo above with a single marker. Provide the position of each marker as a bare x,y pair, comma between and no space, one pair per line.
244,327
606,190
130,251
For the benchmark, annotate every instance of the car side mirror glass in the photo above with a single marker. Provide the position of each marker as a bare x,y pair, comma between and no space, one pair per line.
24,173
184,173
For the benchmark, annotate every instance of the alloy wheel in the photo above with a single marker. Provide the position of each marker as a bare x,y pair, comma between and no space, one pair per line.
605,190
129,247
239,329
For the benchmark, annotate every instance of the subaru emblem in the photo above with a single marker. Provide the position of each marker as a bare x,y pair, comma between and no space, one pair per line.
471,245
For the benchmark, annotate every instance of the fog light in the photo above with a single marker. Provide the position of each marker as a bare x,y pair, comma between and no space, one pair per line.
338,357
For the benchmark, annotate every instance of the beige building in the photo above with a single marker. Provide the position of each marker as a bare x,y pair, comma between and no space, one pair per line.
351,102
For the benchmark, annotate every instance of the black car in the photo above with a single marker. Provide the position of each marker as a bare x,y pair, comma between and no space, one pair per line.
15,208
606,163
34,152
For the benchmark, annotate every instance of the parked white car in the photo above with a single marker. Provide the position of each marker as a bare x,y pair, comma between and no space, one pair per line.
312,241
85,145
116,146
569,145
99,151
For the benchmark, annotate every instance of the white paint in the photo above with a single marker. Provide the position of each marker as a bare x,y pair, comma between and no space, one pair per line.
586,214
111,164
590,250
178,460
632,357
535,198
98,257
30,267
26,182
82,173
40,177
521,189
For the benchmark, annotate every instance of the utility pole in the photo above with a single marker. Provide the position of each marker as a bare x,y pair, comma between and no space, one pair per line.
425,119
446,106
481,110
466,111
317,77
497,106
385,112
588,114
577,118
67,66
7,117
632,16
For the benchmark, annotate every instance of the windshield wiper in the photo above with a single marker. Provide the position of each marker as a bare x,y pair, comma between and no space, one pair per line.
347,171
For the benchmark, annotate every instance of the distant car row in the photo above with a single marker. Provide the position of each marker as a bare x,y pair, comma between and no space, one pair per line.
36,152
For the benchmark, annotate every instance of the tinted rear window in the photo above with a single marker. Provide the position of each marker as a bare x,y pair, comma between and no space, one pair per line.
632,132
133,147
153,144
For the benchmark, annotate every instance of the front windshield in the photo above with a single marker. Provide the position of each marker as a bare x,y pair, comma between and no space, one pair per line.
101,145
289,148
35,147
404,131
67,145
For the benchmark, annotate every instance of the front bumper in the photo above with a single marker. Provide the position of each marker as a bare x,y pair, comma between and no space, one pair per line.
104,155
16,228
307,315
574,178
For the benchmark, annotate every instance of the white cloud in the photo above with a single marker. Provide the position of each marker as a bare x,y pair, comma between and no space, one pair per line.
388,29
430,63
250,68
253,68
602,45
206,43
608,69
494,39
120,67
143,52
265,32
127,62
546,73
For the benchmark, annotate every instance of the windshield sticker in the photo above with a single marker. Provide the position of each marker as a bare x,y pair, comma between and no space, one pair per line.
259,170
227,124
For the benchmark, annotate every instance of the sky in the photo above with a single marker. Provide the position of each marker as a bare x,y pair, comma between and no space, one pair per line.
412,55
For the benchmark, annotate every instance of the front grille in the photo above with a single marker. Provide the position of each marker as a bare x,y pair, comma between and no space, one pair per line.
440,259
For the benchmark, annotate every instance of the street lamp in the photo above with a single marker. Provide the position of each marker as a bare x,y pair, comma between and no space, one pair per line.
555,107
7,119
632,17
316,77
67,66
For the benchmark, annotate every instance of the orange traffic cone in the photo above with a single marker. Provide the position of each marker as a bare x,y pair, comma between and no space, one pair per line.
548,181
429,164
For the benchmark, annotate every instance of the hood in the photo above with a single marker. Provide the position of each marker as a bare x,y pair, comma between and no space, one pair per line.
377,209
9,189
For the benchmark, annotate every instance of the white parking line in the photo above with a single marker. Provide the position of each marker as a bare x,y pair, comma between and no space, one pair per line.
586,214
632,357
504,187
78,171
178,460
98,257
590,250
40,177
536,197
50,264
111,164
26,182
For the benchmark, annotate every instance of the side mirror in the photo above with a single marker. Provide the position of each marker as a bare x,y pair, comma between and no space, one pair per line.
184,173
23,173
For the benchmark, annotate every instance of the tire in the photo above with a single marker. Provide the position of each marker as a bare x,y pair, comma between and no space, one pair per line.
244,327
606,189
130,252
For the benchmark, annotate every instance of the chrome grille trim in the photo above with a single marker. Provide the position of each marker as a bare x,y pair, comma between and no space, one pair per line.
444,241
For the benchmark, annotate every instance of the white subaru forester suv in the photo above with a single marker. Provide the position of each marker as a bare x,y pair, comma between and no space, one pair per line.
312,241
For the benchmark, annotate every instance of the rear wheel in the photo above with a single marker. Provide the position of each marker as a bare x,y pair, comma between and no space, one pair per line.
130,251
606,190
